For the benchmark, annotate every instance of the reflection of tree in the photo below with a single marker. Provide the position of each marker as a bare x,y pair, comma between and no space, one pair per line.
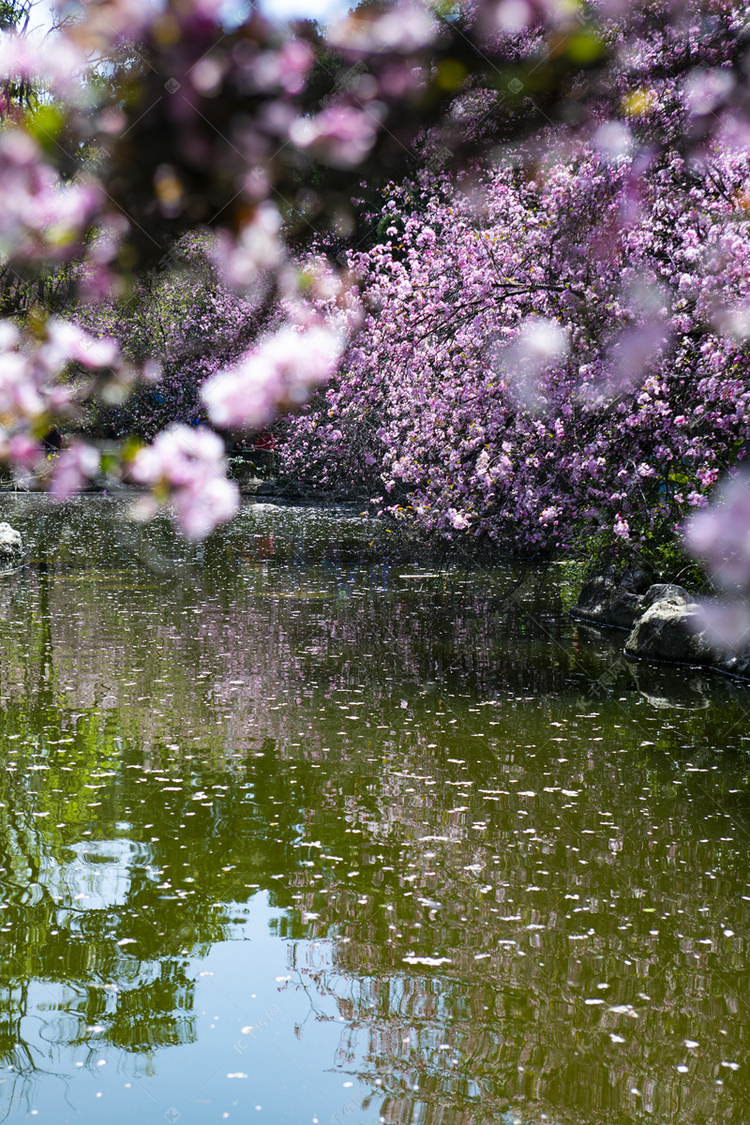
164,728
108,930
14,1052
140,993
200,621
149,1015
482,970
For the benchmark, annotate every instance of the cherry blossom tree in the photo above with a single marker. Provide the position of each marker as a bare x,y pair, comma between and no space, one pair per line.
547,355
260,134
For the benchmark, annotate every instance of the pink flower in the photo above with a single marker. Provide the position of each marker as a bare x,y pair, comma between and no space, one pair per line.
279,372
189,464
204,504
255,251
404,27
721,533
457,519
621,528
66,342
705,90
725,625
74,466
24,451
341,135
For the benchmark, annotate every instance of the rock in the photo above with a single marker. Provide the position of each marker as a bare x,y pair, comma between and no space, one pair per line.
737,666
663,622
613,599
670,687
637,579
670,627
11,546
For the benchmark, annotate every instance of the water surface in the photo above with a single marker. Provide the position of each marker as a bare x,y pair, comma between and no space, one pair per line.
294,829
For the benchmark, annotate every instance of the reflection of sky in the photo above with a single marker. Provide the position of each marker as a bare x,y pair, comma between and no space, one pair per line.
262,1047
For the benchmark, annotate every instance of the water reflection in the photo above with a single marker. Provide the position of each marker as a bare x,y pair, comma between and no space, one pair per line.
504,870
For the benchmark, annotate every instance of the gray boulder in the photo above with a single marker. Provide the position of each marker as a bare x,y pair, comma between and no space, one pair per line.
670,627
662,620
737,666
11,546
612,599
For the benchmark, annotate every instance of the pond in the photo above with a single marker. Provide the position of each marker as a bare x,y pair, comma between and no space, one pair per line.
295,829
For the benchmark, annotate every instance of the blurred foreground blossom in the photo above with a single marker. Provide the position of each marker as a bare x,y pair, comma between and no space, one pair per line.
254,252
725,625
720,534
73,468
281,370
406,27
67,342
186,465
629,359
342,135
31,368
540,344
42,217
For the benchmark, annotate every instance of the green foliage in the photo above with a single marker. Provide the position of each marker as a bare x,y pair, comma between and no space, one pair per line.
661,551
15,14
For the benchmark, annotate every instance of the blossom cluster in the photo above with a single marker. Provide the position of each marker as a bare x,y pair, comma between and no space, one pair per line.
188,465
547,355
150,121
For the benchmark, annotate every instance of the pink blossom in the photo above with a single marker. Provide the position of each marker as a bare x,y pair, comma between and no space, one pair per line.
188,465
621,528
721,533
204,504
24,451
540,343
66,342
406,27
342,134
459,520
293,63
705,90
72,468
20,393
42,216
532,341
725,625
280,371
245,259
